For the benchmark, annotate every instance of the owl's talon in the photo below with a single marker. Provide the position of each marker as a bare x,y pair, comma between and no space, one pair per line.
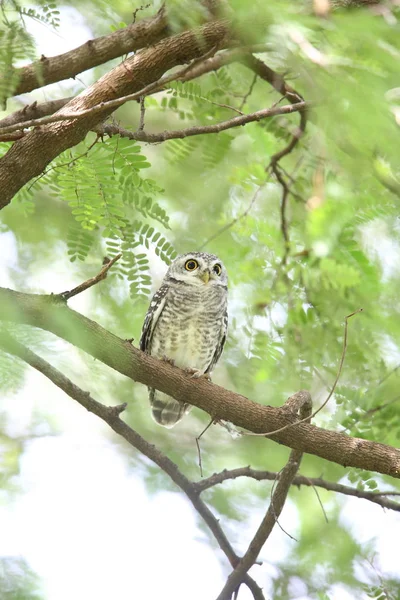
193,372
197,373
168,360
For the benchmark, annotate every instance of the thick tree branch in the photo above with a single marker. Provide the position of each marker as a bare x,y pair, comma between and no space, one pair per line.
28,157
376,497
40,114
92,53
111,415
109,105
52,314
36,110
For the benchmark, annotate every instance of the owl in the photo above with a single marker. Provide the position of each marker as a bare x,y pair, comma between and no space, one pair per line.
186,323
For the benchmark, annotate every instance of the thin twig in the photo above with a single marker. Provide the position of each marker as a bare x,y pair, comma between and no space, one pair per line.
284,222
228,106
263,71
93,280
152,138
372,411
346,325
396,368
280,85
249,92
198,446
155,138
270,433
236,219
65,164
137,10
272,507
320,503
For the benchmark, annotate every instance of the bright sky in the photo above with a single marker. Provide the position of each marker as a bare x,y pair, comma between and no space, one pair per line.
85,523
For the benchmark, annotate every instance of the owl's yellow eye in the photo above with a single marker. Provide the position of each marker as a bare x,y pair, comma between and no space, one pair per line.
217,269
191,265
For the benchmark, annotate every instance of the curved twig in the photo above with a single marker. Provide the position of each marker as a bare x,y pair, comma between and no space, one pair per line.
271,433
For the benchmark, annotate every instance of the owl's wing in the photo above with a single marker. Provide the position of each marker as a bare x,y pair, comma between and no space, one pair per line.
220,344
156,306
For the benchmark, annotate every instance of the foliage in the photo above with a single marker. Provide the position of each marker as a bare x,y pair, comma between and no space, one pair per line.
17,582
15,44
111,195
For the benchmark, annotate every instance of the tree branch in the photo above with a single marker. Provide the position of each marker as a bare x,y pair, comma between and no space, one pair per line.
299,480
40,114
92,53
280,85
154,138
36,110
263,71
107,264
111,416
49,312
300,402
28,157
101,107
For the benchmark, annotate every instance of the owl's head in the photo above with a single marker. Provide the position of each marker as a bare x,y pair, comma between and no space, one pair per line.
198,268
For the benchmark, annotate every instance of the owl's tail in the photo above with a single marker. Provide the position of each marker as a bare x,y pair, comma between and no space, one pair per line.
167,411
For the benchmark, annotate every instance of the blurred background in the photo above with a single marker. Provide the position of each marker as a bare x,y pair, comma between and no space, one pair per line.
82,514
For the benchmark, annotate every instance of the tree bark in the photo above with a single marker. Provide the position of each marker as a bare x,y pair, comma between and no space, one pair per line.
92,53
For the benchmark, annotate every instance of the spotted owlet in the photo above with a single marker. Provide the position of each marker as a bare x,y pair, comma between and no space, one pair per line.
187,323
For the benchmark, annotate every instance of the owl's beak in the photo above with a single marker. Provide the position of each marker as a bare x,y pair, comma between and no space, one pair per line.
205,276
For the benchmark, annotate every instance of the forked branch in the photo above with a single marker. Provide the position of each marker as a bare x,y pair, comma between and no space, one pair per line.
301,403
111,416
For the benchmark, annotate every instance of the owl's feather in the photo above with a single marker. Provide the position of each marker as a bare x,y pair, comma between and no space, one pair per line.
166,411
156,305
186,322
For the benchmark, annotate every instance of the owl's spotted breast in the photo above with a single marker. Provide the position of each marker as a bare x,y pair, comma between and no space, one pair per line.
189,327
